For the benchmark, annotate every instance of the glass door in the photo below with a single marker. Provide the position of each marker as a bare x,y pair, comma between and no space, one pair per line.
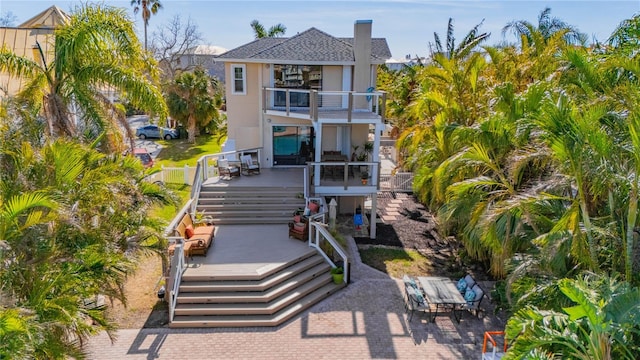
292,145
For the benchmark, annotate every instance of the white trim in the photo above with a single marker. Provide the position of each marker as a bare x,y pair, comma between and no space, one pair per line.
233,79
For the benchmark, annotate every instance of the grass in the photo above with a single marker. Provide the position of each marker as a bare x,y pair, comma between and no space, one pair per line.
396,262
179,152
168,212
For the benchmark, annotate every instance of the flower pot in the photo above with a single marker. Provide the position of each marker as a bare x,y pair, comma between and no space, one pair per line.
364,181
338,278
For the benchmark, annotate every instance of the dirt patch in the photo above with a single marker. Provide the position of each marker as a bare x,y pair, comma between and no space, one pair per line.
143,309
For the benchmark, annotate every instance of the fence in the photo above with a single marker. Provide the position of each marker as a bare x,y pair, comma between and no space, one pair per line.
174,175
398,182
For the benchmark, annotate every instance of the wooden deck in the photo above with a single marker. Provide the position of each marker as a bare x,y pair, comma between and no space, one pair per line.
247,251
268,177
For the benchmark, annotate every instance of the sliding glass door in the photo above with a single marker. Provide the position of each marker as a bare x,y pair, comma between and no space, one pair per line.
293,145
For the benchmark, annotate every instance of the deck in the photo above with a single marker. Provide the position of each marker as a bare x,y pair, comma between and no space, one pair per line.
247,251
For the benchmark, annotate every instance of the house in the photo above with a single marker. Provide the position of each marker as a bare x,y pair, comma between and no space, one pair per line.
310,100
32,39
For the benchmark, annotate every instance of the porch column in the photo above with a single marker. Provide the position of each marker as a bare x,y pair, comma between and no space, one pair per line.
375,173
372,222
317,126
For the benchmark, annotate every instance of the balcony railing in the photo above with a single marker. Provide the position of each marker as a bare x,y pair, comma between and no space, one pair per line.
343,177
325,105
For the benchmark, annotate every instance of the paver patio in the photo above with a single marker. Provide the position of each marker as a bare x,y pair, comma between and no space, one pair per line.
366,320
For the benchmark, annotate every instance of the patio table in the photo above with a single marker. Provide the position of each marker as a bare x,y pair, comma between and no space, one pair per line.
442,292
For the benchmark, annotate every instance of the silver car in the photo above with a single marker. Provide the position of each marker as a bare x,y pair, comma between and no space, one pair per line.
155,131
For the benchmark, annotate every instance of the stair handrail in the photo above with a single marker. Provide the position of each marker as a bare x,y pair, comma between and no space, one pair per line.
319,229
176,272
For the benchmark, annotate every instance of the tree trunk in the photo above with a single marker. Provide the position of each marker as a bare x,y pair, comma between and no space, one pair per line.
192,129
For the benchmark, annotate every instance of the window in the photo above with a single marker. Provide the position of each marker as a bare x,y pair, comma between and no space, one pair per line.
239,79
296,77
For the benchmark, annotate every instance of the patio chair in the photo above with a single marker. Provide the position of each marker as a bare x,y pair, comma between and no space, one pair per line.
248,166
227,170
473,303
415,301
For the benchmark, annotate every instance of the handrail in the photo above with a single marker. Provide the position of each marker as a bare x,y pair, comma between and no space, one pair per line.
179,267
320,230
195,188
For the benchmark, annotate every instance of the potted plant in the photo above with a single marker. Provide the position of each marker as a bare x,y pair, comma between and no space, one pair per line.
338,275
364,176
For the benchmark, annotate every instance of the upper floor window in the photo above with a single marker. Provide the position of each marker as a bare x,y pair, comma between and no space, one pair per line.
239,79
307,77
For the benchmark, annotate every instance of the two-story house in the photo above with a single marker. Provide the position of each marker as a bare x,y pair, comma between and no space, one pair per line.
310,100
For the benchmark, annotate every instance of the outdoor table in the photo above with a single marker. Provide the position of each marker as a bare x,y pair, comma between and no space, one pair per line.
334,170
442,292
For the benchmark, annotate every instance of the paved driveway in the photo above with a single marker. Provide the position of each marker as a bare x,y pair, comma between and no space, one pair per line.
366,320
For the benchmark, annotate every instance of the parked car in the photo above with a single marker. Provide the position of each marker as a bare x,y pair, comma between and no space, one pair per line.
144,157
155,131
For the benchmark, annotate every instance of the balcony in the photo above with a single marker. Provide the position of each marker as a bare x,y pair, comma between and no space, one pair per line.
325,106
342,178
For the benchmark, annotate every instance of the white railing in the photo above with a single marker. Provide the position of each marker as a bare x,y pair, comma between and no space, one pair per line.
347,174
319,233
399,182
178,266
310,104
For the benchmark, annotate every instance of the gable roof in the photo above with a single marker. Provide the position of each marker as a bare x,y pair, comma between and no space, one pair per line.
48,19
310,46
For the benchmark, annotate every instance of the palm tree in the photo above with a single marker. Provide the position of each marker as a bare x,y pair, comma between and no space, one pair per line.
192,102
468,44
260,32
147,8
96,51
73,221
546,28
601,323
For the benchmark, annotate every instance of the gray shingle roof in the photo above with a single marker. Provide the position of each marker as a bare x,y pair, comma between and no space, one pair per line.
311,45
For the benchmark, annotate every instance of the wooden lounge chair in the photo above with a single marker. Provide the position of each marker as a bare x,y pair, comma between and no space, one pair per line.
248,166
226,170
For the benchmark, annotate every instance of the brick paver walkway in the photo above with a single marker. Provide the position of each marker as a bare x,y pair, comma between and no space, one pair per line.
366,320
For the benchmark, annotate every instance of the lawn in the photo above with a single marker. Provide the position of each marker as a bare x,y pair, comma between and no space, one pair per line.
396,262
179,152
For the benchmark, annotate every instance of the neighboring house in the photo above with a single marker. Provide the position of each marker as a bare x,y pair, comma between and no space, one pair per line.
197,56
399,64
297,99
24,39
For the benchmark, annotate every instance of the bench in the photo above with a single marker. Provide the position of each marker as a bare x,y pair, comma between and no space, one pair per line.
199,236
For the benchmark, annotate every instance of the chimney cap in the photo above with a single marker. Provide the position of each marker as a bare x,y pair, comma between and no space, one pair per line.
364,21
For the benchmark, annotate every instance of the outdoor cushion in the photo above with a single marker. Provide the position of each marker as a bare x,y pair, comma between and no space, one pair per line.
416,295
462,286
478,294
409,281
188,231
296,218
470,281
470,296
298,227
313,207
307,211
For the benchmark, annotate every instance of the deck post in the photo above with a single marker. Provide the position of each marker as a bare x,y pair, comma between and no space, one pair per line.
372,227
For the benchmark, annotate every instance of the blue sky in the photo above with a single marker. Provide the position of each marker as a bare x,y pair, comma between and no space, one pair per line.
408,25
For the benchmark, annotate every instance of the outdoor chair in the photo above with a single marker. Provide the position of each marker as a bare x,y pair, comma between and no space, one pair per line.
226,170
415,301
248,166
473,302
299,230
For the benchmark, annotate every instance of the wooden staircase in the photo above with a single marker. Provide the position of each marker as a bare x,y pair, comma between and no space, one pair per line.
250,204
268,299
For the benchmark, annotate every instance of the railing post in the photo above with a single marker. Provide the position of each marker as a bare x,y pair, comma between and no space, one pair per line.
350,107
287,101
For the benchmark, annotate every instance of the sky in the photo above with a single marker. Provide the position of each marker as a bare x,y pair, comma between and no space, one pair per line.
408,25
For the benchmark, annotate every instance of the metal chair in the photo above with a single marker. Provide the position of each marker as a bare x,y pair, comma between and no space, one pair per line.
227,170
248,166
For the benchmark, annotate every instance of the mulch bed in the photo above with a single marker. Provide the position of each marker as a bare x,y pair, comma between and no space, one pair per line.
415,228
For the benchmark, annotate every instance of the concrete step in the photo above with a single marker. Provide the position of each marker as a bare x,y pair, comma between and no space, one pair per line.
186,321
253,285
269,303
254,296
